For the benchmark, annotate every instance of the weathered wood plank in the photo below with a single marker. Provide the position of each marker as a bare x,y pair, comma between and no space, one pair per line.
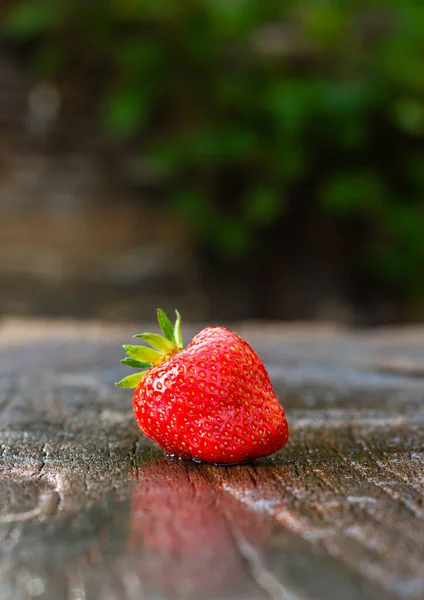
91,509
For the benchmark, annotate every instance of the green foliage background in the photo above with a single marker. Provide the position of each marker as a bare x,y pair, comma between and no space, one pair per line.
247,110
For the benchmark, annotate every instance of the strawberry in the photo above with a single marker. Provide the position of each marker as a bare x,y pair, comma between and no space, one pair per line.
212,401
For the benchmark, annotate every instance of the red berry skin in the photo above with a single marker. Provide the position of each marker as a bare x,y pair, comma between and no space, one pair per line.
212,401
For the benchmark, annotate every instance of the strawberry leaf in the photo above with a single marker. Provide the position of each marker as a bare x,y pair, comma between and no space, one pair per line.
166,326
130,362
177,331
157,341
131,381
143,354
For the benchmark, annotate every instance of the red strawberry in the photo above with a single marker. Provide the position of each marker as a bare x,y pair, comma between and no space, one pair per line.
212,401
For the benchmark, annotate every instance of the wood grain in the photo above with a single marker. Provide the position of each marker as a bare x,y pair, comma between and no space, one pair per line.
90,509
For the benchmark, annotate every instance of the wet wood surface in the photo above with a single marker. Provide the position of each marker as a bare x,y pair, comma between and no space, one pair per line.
90,509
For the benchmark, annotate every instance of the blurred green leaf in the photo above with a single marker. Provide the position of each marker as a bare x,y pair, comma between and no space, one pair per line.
30,18
139,57
345,100
401,64
220,144
229,236
244,108
292,103
49,59
232,238
235,18
408,114
138,10
262,205
350,192
124,111
324,21
193,206
405,221
414,171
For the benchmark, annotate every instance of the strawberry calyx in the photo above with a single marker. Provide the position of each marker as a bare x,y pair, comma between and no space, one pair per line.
162,347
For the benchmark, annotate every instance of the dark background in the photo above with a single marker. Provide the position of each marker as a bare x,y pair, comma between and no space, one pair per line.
234,158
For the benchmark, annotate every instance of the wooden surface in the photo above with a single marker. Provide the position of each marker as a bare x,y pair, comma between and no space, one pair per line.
90,509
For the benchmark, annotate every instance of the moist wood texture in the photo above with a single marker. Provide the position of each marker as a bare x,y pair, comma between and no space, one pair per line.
90,509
